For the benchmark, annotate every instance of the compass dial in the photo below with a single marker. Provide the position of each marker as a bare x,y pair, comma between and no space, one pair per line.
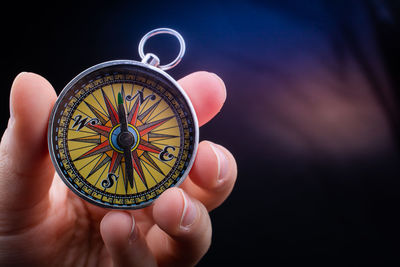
121,133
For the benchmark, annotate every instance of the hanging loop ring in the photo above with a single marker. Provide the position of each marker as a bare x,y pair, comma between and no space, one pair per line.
163,31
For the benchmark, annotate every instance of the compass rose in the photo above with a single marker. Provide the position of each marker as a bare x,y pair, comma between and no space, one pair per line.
112,138
122,134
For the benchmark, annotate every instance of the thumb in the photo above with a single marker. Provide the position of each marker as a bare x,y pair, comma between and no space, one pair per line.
26,171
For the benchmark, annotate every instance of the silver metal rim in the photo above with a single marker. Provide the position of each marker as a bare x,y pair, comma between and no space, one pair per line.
154,32
95,68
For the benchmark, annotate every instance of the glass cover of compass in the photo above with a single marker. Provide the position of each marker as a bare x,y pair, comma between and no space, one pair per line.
121,133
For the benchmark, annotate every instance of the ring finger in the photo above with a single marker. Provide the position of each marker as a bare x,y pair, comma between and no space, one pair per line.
213,175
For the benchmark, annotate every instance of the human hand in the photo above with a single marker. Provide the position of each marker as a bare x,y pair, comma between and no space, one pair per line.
42,223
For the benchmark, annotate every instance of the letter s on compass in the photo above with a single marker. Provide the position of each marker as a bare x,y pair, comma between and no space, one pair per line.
109,181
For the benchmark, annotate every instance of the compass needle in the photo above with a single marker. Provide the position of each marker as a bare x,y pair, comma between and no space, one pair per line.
122,132
125,139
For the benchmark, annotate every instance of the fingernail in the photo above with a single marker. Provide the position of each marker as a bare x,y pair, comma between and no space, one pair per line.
222,162
10,102
11,111
11,119
189,213
133,233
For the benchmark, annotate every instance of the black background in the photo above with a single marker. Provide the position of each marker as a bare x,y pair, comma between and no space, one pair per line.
291,205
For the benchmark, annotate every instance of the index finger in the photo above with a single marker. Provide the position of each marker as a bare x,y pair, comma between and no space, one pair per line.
207,93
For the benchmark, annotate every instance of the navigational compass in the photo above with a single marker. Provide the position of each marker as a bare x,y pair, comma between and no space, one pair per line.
123,131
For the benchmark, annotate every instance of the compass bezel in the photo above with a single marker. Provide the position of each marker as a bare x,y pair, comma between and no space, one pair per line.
116,63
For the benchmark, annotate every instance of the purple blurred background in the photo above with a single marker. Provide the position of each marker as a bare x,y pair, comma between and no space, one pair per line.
311,114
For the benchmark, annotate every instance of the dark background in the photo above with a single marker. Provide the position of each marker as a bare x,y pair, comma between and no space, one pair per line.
311,114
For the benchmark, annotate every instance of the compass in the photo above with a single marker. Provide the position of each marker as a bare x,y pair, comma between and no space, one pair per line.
122,132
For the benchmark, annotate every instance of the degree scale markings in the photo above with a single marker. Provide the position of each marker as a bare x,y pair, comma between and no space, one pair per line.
157,122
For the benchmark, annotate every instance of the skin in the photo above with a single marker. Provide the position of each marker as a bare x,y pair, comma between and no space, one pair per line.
42,223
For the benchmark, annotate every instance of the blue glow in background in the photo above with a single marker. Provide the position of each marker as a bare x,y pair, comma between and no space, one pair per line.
310,114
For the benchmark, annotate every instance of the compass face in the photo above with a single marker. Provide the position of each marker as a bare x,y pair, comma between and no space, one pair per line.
115,164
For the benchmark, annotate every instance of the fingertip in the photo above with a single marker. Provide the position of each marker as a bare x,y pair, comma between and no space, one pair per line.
29,86
207,92
187,225
116,227
24,158
124,241
168,209
212,176
218,84
227,169
214,165
31,100
206,167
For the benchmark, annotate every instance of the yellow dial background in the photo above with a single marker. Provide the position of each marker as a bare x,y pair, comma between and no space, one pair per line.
167,134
